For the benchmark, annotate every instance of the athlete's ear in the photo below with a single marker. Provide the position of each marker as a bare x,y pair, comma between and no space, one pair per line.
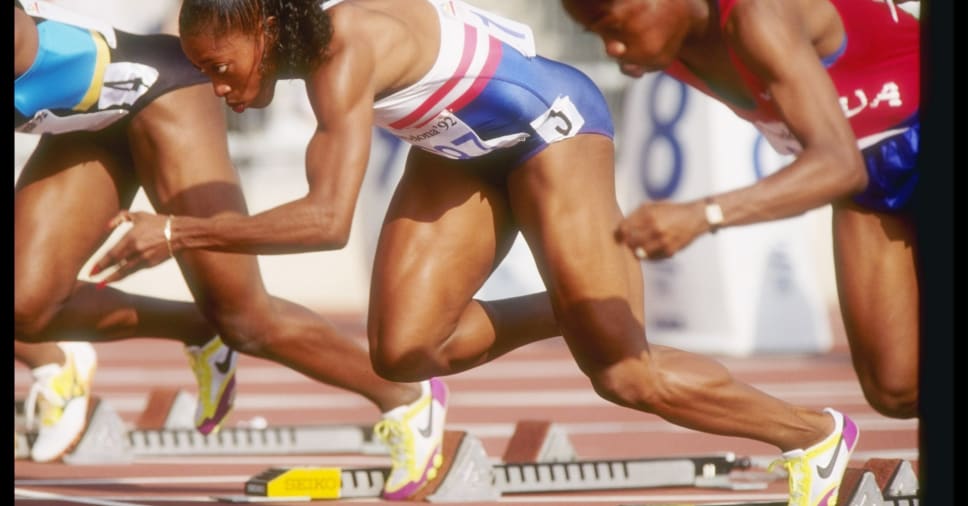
270,27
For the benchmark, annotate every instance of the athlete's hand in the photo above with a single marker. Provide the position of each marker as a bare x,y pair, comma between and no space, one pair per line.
658,230
143,246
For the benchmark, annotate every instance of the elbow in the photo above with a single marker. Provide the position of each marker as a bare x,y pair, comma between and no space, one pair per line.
334,241
857,178
331,232
852,178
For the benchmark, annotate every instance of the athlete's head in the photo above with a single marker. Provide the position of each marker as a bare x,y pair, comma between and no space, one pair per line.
642,35
245,46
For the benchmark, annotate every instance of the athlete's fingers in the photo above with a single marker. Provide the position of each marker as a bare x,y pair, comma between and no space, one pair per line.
121,217
122,269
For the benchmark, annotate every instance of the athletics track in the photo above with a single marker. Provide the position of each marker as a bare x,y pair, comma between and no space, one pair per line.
538,382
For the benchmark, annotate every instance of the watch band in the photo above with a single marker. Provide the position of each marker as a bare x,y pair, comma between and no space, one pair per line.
714,215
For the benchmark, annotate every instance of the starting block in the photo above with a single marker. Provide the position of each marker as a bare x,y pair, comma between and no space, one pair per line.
166,428
100,443
880,482
538,458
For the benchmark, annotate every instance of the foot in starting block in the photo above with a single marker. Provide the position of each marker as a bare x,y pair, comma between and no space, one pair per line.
538,458
880,481
466,473
104,440
465,476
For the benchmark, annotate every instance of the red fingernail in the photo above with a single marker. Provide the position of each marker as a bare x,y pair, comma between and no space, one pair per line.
95,270
101,285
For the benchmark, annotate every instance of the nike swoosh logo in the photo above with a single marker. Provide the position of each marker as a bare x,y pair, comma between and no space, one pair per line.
224,365
825,471
425,431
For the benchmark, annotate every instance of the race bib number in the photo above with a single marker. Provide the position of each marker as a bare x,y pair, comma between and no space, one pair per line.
124,83
561,121
448,136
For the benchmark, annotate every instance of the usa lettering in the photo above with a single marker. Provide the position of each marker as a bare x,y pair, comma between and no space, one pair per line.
890,96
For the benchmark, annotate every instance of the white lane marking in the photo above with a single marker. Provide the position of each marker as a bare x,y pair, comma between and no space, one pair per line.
511,369
836,392
131,480
33,494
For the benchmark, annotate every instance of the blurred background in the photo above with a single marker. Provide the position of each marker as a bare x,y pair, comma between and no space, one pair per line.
756,289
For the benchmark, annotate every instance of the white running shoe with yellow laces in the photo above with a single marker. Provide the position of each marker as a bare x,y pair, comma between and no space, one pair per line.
214,366
414,434
56,406
815,473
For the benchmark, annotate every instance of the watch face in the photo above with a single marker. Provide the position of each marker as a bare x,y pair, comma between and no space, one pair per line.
714,214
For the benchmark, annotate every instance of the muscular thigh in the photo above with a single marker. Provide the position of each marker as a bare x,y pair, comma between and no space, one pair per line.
874,255
69,189
181,153
446,228
564,199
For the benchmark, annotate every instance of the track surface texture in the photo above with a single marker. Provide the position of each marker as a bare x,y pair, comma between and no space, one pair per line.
538,382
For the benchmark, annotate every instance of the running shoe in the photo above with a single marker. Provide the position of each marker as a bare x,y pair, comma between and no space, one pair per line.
214,367
414,434
815,473
56,406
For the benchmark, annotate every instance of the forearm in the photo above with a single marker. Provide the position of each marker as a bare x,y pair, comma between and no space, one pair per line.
294,227
808,183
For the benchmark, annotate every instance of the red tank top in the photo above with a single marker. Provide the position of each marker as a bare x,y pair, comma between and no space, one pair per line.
877,73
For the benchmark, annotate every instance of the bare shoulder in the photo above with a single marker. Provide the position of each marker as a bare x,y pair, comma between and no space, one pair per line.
375,17
808,13
373,29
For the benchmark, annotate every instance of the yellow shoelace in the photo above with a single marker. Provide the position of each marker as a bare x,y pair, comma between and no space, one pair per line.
796,481
399,440
49,397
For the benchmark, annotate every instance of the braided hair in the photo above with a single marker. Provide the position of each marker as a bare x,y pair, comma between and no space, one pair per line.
301,35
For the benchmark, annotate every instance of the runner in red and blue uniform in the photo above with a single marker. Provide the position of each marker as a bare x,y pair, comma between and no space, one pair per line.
836,84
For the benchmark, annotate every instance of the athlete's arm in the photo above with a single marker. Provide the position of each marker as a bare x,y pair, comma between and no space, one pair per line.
341,95
772,39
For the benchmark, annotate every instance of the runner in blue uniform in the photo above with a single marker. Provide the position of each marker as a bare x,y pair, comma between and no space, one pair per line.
118,111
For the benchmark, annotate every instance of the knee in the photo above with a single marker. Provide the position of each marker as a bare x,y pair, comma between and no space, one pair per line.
630,384
893,397
396,357
33,313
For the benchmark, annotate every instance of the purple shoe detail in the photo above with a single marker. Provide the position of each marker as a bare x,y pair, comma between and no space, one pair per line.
826,499
851,433
438,391
224,406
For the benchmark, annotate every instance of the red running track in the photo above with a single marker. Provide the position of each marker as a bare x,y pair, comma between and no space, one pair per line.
536,382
